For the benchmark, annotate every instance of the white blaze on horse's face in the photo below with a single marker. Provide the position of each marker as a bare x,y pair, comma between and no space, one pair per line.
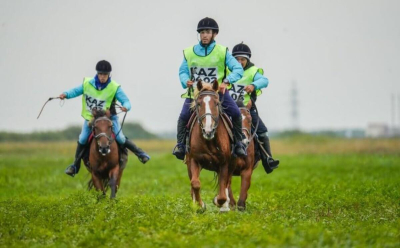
208,127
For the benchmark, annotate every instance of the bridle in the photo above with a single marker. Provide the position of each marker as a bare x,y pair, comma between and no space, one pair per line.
200,118
109,137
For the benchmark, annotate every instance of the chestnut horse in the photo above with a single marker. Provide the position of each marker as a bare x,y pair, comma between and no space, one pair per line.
103,162
209,145
244,166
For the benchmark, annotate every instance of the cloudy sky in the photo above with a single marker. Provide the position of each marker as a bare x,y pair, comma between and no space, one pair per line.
343,56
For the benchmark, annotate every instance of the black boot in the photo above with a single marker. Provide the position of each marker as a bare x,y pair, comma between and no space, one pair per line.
142,156
268,162
238,136
74,168
179,150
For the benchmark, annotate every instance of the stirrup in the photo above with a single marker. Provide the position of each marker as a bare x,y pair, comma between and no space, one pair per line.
177,153
239,145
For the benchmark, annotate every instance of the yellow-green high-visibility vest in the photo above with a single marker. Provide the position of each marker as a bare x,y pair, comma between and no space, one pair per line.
93,98
237,89
207,68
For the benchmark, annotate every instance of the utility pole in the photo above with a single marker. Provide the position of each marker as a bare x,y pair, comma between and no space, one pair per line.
294,107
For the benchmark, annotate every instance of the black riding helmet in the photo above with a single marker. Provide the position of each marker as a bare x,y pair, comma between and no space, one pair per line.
103,66
207,23
241,50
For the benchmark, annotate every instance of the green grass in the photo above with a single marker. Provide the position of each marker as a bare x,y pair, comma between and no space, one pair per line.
313,200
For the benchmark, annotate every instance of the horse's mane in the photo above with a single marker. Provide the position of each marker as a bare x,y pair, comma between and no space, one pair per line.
206,87
99,113
240,104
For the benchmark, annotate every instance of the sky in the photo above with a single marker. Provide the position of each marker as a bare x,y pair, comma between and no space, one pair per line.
342,56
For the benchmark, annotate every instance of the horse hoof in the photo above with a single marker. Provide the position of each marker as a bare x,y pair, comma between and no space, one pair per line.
215,201
224,209
202,209
241,208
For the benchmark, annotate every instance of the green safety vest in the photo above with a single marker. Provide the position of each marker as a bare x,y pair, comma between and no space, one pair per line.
237,89
93,98
207,68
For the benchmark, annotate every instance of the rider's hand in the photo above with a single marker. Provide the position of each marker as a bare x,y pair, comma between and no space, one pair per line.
222,87
124,109
249,88
62,96
189,83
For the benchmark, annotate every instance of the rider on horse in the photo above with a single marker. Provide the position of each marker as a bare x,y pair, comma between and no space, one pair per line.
252,82
207,61
100,92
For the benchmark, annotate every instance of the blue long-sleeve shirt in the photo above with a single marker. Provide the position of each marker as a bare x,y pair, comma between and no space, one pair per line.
232,64
260,81
120,94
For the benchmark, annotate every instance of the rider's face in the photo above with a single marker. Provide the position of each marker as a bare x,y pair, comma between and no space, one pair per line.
242,61
103,77
206,36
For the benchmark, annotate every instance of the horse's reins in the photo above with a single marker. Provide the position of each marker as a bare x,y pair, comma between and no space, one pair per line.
51,98
123,120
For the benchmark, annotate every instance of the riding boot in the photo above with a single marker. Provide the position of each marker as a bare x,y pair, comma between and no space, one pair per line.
179,150
74,168
268,162
142,156
238,136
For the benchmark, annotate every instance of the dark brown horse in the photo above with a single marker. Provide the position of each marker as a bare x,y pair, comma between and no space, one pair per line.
103,162
209,145
244,166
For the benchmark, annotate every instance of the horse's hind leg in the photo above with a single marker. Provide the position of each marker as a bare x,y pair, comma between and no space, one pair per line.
113,175
195,183
119,179
232,201
245,185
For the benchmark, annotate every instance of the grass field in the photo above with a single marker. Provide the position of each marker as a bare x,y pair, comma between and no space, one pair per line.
326,193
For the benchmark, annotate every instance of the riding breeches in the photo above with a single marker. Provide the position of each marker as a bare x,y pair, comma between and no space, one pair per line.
261,126
85,133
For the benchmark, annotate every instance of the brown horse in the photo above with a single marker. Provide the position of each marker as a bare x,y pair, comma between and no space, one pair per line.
209,145
103,162
244,166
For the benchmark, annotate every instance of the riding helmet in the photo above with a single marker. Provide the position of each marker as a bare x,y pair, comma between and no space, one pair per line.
207,23
242,50
103,66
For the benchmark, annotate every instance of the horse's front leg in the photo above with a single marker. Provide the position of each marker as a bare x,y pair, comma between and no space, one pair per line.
97,182
195,183
113,175
223,181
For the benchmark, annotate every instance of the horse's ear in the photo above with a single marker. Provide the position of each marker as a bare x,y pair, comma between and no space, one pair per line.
94,112
199,85
215,85
249,104
108,113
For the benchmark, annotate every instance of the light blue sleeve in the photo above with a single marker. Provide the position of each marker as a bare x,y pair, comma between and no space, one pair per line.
123,99
235,68
184,75
260,81
74,92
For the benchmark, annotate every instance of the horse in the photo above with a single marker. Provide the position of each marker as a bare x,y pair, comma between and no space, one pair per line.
209,145
104,160
244,166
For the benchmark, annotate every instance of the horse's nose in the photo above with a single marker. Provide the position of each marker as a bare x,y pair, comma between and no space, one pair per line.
208,134
104,150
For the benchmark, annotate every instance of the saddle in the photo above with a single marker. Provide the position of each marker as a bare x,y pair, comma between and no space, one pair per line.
193,118
122,152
